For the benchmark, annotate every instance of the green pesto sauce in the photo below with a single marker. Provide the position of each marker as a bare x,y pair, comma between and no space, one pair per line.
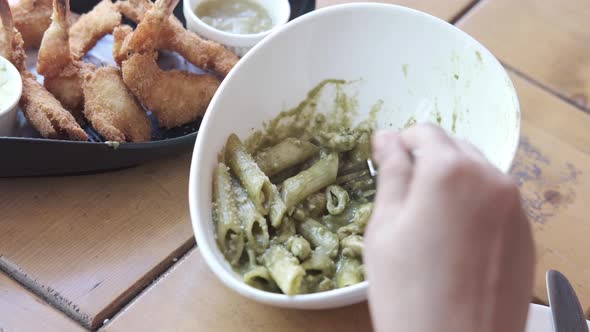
405,68
410,122
479,57
454,126
438,118
235,16
305,122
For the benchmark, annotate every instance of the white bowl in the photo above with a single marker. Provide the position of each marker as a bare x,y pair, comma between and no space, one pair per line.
278,10
419,65
11,88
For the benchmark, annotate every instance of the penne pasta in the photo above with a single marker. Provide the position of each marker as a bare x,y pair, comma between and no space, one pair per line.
359,221
319,264
352,246
319,236
286,154
251,177
284,268
299,247
349,272
228,227
293,202
337,199
318,176
253,223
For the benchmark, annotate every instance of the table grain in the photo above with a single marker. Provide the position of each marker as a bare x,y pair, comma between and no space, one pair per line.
20,310
88,244
548,41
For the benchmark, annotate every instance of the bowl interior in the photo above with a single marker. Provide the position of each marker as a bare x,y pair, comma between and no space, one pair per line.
420,67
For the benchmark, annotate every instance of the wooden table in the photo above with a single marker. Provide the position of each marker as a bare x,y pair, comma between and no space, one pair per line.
115,251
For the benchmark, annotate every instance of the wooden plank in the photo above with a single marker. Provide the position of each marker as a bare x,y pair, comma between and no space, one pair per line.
546,40
88,244
553,171
191,298
21,310
447,10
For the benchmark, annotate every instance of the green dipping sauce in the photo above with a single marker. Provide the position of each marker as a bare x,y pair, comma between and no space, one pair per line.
235,16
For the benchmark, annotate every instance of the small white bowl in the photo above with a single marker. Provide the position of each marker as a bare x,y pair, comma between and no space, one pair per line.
9,103
420,67
279,11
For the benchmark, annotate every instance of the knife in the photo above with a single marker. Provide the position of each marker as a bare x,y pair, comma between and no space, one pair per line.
568,315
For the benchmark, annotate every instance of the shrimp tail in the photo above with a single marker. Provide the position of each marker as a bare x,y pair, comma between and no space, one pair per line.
61,11
6,16
166,6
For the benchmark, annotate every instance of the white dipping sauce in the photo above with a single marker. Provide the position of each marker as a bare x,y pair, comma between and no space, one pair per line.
10,84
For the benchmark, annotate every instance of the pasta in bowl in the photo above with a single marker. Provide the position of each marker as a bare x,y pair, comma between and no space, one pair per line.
290,206
277,198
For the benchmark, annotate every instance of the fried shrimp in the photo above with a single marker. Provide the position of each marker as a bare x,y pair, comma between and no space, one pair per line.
67,87
120,39
175,97
112,109
32,18
46,114
134,9
158,29
92,26
62,74
6,31
54,54
41,109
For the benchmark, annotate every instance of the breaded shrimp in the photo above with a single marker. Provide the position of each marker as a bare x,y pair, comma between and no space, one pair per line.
92,26
160,30
67,87
54,54
63,76
41,109
112,109
175,97
32,18
121,36
134,9
46,114
6,31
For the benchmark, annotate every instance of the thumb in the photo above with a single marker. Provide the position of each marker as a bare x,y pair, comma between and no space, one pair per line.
395,169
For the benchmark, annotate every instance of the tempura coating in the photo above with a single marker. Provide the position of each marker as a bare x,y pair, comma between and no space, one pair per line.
121,36
32,18
134,9
54,53
158,29
46,114
67,88
62,77
111,108
175,97
92,26
42,110
6,31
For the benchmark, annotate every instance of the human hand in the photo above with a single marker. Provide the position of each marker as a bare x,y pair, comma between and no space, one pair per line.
448,247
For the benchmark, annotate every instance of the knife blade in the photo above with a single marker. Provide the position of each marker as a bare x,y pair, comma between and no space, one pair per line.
567,312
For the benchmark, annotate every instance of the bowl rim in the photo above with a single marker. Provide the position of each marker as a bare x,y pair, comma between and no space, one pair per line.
336,297
12,106
234,39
